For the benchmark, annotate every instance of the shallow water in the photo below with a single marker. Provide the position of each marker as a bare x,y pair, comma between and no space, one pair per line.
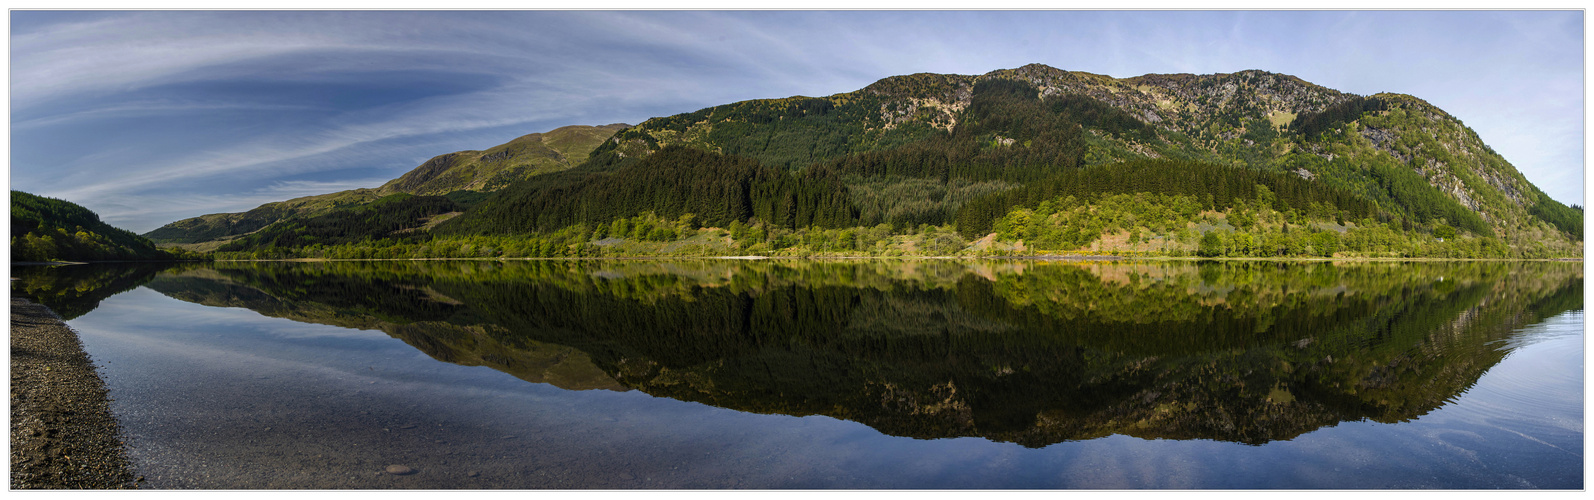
875,374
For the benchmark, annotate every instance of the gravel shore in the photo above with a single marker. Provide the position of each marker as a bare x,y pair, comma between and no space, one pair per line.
62,433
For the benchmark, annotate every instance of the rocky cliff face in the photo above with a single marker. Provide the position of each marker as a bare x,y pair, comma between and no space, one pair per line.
1183,103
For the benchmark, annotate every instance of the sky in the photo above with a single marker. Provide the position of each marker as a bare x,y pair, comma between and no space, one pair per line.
148,117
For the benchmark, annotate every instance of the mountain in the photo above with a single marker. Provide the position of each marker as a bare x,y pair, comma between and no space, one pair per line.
1015,160
48,229
915,149
470,171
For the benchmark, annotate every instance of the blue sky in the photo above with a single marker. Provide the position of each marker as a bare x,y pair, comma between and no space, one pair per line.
151,117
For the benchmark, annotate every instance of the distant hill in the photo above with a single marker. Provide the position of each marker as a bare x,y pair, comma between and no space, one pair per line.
490,170
389,215
471,171
48,229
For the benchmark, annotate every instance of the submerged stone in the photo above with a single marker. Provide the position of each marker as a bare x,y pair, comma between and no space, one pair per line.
399,470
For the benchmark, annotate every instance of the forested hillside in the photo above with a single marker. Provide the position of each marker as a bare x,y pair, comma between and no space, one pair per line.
47,229
1032,159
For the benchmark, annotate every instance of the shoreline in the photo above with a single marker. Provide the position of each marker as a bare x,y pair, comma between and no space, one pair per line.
1044,257
63,435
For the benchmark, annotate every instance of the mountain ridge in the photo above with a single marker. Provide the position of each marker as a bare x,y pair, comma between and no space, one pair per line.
470,170
492,168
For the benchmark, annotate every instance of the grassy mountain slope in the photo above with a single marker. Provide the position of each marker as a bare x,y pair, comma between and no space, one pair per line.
496,167
487,170
47,229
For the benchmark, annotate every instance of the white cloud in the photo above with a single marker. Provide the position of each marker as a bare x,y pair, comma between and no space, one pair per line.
118,54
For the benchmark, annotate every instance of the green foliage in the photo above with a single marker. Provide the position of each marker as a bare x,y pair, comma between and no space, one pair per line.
1567,219
465,199
1242,218
1422,201
1224,185
782,133
1324,243
1007,133
48,229
1093,113
674,181
1157,224
904,202
1211,244
1309,125
1068,223
1444,232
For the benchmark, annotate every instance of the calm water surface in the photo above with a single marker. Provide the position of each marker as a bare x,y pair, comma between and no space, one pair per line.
874,374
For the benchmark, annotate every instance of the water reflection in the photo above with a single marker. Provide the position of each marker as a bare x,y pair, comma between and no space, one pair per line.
1033,353
74,290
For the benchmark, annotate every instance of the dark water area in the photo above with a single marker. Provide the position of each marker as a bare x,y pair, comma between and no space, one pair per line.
868,374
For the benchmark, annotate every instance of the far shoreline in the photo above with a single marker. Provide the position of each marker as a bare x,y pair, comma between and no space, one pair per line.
1081,258
1055,258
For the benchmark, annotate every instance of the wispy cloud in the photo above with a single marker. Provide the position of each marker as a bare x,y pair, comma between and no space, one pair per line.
287,190
283,152
153,107
75,58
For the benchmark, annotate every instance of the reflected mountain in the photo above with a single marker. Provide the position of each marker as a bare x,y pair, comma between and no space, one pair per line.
1029,352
